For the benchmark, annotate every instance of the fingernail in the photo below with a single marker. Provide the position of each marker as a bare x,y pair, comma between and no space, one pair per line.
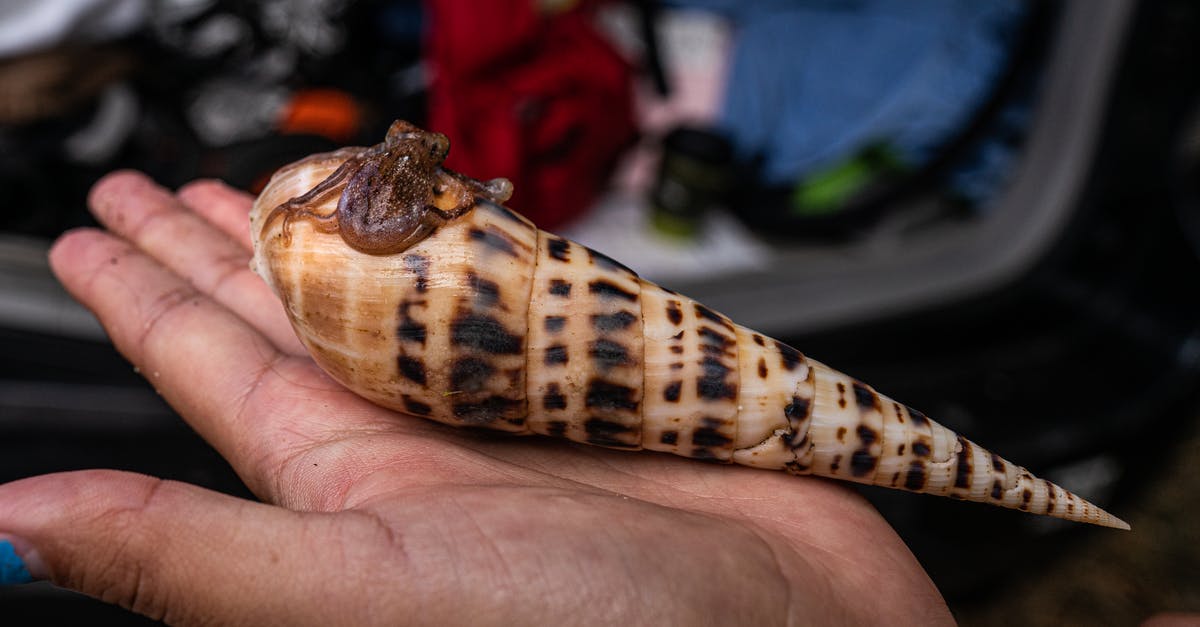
13,569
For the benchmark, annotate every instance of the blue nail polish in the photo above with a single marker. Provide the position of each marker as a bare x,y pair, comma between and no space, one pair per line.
12,568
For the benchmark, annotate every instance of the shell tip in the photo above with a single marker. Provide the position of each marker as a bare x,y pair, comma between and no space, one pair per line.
1117,523
1105,519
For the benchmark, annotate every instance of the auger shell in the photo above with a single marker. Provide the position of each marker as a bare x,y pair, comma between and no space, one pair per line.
490,322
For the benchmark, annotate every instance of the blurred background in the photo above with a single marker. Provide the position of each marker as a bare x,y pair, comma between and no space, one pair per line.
989,209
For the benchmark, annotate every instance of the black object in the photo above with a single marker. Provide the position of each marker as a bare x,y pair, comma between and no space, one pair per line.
694,174
648,14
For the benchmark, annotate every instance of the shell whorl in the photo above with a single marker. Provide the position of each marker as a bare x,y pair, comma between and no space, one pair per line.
490,322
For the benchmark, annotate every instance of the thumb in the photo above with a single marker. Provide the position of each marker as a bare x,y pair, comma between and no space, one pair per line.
167,550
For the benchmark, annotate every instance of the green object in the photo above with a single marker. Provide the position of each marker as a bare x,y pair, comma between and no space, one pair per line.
673,226
825,192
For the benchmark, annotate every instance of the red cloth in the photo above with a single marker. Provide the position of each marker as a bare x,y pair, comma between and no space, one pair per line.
542,100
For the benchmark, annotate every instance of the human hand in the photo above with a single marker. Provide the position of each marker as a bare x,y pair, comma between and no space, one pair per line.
372,517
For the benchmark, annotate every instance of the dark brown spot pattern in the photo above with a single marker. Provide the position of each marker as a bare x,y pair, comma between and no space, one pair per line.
558,249
605,323
553,398
607,354
470,374
865,397
409,328
671,392
796,412
487,293
554,324
864,460
412,368
608,289
595,353
415,407
484,333
494,240
603,394
608,263
962,471
709,436
714,383
915,479
674,313
419,266
559,287
556,355
789,357
691,377
602,432
475,363
862,463
918,418
712,316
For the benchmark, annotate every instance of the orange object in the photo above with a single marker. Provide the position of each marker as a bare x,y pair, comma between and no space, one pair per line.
327,112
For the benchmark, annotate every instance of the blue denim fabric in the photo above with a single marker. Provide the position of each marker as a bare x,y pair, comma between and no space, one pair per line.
813,81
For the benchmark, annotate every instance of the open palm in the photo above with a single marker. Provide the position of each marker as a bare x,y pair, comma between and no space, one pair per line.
372,517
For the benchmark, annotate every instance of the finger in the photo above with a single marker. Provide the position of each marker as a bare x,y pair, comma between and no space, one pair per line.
132,206
1173,619
185,555
227,208
283,425
206,361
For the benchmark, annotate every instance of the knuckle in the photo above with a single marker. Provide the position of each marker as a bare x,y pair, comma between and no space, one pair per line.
159,311
123,566
229,272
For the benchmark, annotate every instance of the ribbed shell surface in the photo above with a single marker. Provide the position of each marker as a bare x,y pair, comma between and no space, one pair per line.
490,322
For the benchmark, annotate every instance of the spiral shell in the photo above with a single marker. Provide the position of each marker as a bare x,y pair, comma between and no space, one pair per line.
486,321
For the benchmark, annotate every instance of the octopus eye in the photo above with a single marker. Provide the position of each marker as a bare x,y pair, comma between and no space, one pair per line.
439,146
